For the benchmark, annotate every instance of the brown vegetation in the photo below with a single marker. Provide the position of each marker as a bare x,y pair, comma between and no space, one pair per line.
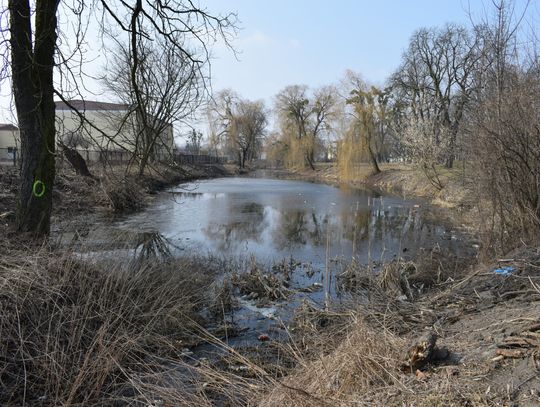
75,333
477,345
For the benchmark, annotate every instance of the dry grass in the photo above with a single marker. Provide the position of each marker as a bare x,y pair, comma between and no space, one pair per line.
258,283
363,364
123,195
74,333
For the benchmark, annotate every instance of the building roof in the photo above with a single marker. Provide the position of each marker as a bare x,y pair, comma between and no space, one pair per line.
8,126
89,105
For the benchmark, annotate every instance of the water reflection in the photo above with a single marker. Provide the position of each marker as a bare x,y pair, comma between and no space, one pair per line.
230,235
273,219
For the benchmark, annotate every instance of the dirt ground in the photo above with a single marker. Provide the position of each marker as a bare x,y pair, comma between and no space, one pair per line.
491,323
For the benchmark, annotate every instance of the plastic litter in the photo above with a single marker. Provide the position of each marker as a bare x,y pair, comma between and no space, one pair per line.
505,271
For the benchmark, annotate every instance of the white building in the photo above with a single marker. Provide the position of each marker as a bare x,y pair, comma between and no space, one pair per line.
106,129
9,142
104,132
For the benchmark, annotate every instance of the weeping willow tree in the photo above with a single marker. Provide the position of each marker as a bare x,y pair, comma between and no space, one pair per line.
303,119
364,141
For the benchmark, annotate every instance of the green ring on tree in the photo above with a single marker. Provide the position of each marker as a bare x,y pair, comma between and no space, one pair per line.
38,189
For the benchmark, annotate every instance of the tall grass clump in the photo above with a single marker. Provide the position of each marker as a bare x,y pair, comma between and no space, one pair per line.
363,365
96,333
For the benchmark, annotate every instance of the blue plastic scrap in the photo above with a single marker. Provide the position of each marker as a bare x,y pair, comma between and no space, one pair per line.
505,271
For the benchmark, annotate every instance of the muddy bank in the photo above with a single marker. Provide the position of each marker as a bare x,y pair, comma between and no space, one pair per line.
471,338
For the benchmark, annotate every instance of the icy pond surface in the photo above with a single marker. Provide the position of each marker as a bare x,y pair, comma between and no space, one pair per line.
274,219
312,226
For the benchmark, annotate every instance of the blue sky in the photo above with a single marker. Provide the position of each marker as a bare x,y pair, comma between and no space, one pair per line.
313,42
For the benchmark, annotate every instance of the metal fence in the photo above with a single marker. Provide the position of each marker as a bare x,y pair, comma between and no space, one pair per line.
181,158
10,156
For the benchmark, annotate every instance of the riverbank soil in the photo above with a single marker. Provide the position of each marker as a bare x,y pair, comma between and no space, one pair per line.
401,179
472,340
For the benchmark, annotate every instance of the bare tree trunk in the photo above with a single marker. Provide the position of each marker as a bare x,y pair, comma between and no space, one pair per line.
449,162
373,159
142,164
32,71
310,160
243,159
77,161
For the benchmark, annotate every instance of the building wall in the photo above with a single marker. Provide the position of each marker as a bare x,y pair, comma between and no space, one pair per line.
9,139
89,140
72,130
119,133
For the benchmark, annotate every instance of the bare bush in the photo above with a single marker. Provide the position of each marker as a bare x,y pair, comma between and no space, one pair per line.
507,148
424,149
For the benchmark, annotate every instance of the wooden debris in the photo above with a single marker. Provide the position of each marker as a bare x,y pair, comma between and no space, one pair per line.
421,353
520,345
511,353
5,214
421,375
516,342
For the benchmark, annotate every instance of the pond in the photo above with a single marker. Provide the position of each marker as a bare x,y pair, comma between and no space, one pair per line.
314,227
275,219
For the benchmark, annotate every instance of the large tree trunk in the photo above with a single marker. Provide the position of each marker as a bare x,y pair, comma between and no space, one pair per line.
243,159
372,155
310,158
32,76
449,162
309,161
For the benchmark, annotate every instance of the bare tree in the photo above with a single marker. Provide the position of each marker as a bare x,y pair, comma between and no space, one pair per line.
194,139
33,46
303,119
370,110
435,81
365,130
249,127
170,89
242,123
506,125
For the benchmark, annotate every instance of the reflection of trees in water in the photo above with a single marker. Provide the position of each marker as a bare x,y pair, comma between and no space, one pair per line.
388,228
355,222
292,228
378,228
299,227
249,227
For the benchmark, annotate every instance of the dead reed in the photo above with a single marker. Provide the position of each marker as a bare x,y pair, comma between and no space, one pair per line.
75,333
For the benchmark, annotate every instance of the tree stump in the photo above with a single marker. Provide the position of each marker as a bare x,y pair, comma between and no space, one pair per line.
422,352
77,161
